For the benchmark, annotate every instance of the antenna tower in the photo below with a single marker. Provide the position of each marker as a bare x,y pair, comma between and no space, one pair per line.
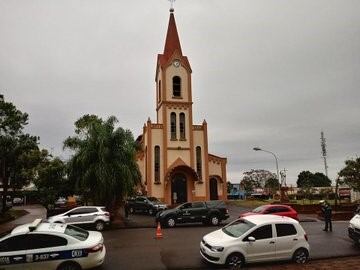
324,152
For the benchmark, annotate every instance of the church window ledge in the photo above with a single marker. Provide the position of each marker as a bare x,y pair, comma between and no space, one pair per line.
177,97
182,139
173,139
158,182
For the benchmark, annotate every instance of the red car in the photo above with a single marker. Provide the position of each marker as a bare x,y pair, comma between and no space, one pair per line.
273,209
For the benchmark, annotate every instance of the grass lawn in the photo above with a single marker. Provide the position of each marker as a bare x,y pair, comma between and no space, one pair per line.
11,215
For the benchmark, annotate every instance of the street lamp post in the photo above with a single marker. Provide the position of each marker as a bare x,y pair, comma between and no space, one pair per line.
277,164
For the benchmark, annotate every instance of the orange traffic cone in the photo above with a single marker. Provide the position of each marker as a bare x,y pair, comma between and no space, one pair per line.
159,234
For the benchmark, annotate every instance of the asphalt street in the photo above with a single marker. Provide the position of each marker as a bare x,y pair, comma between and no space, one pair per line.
179,249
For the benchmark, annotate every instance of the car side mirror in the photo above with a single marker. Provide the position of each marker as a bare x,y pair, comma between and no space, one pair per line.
251,239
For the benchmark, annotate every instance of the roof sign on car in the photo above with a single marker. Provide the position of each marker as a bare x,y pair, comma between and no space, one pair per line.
34,225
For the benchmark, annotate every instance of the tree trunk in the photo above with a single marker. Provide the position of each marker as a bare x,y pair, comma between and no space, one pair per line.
5,187
336,191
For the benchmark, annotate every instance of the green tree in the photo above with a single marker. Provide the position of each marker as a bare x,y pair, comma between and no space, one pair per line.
103,165
52,182
304,179
272,184
307,179
321,180
19,152
248,185
351,173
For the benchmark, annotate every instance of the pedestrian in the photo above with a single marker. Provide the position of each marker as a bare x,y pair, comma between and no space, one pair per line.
126,208
327,212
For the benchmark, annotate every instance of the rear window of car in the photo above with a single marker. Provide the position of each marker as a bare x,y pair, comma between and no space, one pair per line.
76,232
285,230
103,209
238,228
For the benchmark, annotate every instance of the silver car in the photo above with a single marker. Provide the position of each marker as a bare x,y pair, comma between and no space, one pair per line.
84,215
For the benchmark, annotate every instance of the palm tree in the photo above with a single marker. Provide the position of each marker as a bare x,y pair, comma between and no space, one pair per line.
103,165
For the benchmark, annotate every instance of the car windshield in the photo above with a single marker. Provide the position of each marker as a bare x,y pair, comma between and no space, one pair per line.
76,232
238,227
259,209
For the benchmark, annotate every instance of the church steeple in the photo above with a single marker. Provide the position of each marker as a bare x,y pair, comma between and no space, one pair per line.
172,47
172,42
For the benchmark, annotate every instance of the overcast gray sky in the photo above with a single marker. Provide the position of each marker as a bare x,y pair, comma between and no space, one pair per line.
270,73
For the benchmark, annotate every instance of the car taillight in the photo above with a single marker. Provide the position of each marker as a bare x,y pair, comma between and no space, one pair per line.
306,238
107,214
98,247
227,211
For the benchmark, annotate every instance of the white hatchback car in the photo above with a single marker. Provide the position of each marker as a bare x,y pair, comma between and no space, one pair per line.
256,238
51,246
84,215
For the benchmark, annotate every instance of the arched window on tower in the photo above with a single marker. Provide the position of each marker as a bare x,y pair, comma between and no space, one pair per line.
198,162
176,86
173,125
182,126
157,164
159,94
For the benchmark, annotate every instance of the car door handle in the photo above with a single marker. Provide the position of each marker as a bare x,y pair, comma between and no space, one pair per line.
272,242
295,239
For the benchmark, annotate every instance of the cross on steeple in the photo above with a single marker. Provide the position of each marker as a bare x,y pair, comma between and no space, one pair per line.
172,5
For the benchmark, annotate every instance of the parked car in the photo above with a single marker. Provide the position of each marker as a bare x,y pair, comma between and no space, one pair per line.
273,209
60,202
51,246
9,202
209,212
150,205
256,238
17,201
354,229
96,216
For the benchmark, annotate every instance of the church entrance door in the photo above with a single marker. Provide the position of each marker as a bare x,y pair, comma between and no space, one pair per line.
213,189
178,189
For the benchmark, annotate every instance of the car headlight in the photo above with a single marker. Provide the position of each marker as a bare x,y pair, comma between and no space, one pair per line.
351,226
217,249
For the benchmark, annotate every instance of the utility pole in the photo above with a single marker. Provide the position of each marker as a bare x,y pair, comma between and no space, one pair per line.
324,152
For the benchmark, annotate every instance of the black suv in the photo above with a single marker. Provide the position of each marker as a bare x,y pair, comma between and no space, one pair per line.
209,212
150,205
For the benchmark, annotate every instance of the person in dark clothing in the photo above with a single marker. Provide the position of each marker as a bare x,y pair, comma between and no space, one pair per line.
126,206
327,212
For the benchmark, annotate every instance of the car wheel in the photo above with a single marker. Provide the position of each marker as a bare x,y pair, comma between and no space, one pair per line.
99,225
214,220
301,255
69,266
151,212
170,222
235,261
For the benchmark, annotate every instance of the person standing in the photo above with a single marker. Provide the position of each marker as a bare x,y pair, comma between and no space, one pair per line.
327,212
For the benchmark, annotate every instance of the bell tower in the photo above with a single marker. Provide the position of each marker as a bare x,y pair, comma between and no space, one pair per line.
173,91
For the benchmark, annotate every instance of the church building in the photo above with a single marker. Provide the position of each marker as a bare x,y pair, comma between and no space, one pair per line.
175,164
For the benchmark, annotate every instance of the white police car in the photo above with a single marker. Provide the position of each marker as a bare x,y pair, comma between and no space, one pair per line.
51,246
